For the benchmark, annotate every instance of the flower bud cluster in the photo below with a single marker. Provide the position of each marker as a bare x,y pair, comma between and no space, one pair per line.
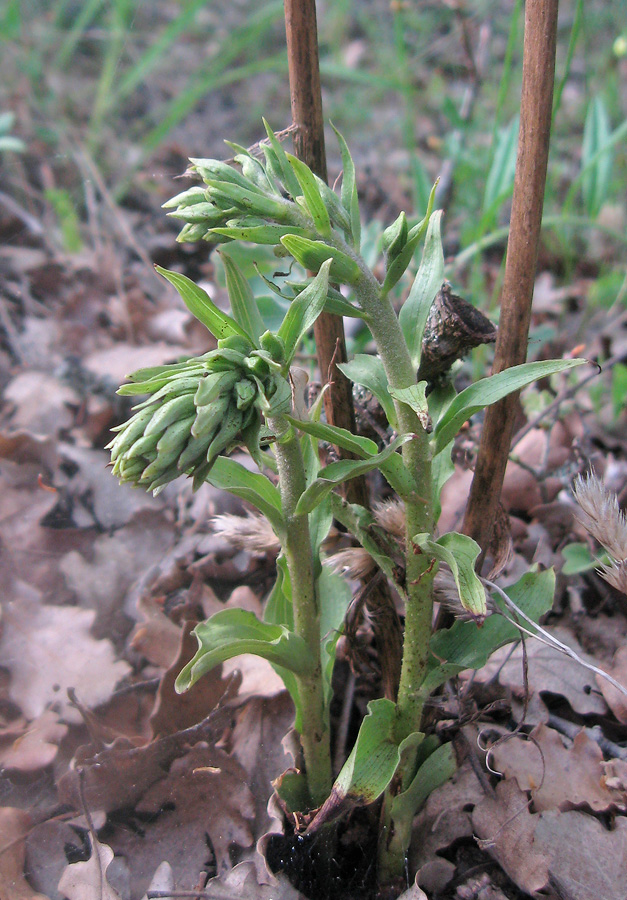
197,410
260,201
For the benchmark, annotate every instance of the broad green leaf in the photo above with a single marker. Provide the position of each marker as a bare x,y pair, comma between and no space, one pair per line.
442,467
243,303
500,178
467,646
229,475
397,268
428,281
334,596
311,192
232,632
370,372
350,200
362,525
597,157
491,389
440,399
436,770
287,175
415,396
279,611
202,307
312,254
340,437
460,553
304,311
345,469
577,559
370,767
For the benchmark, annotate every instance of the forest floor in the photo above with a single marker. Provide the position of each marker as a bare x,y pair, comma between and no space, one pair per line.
112,785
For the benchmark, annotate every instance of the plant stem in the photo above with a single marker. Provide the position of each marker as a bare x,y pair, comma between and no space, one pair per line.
315,738
386,330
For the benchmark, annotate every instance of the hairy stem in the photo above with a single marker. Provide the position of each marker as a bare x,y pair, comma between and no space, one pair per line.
315,738
395,831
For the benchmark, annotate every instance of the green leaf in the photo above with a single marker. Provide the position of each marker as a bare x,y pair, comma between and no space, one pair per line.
350,199
436,770
249,200
255,488
311,192
345,469
428,281
442,467
577,559
440,399
279,611
399,265
369,371
232,632
491,389
289,179
467,646
216,170
334,597
415,396
460,553
243,303
304,311
371,765
340,437
500,178
312,254
337,213
258,234
202,307
597,158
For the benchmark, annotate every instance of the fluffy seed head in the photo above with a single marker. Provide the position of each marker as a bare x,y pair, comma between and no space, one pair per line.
600,515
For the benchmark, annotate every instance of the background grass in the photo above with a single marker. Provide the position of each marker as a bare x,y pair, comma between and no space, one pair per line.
132,84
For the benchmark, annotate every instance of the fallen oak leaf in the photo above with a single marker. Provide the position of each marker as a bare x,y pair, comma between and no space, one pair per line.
558,777
121,773
14,828
506,829
88,880
587,860
616,700
36,746
33,647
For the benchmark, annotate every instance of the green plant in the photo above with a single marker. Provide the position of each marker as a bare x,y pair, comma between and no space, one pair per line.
242,393
7,140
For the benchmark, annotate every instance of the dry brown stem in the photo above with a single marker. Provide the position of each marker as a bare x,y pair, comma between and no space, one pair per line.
306,98
522,255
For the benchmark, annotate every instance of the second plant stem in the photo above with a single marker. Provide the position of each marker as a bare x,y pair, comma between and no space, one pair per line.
394,354
315,738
